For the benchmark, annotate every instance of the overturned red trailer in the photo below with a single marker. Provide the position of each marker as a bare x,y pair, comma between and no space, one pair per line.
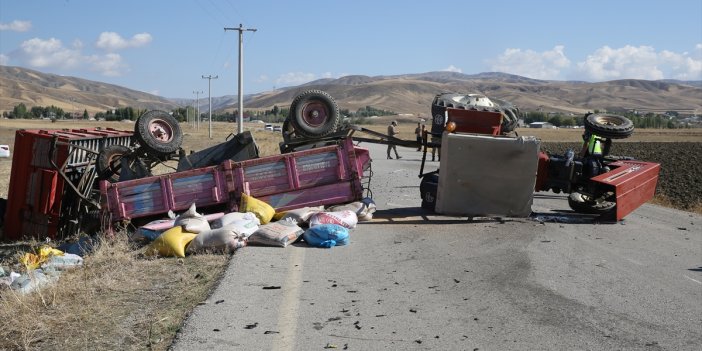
321,176
52,179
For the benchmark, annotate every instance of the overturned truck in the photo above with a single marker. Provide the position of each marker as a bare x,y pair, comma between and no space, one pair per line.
486,169
84,180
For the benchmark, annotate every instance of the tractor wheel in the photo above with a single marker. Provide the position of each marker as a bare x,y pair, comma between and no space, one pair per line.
158,132
608,126
288,131
109,162
582,203
314,114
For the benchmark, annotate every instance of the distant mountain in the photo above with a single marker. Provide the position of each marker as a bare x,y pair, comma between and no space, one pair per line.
694,83
413,93
407,93
33,88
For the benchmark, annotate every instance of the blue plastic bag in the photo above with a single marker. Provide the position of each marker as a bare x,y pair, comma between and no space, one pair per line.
326,235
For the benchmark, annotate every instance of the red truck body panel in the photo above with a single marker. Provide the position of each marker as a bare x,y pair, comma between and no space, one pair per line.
633,183
37,190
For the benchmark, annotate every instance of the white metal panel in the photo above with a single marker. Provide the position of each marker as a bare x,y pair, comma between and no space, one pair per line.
486,176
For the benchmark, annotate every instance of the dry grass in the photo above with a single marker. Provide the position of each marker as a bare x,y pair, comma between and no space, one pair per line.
119,300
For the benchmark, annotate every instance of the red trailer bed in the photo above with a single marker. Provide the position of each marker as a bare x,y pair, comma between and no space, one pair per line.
45,164
321,176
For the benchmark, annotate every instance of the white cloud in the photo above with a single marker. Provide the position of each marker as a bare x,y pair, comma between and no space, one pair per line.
155,92
295,78
111,41
627,62
110,65
684,66
540,65
261,79
642,62
51,53
452,68
4,59
606,63
77,44
16,26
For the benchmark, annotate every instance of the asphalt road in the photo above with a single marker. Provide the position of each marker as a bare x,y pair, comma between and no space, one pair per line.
407,280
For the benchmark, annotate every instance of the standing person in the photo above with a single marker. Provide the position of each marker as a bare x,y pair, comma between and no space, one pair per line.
418,134
392,131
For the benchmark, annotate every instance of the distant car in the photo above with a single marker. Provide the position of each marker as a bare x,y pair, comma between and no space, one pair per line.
269,127
277,128
4,151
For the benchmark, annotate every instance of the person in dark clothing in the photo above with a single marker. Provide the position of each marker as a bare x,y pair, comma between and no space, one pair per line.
418,134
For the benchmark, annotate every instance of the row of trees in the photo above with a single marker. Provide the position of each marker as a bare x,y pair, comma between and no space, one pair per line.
649,120
21,111
278,115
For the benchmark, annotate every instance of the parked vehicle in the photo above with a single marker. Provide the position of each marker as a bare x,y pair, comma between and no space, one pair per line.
597,183
4,150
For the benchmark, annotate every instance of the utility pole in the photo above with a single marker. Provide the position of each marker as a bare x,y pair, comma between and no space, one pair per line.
241,30
209,93
197,98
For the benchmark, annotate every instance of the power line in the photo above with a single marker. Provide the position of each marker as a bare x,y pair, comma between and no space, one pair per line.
241,30
209,92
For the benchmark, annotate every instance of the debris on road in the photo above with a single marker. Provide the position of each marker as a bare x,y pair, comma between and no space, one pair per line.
326,235
281,233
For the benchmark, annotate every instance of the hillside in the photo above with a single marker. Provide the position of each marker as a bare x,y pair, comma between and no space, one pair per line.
33,88
409,93
413,93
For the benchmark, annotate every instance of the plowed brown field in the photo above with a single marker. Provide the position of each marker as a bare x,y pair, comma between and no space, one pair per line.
680,179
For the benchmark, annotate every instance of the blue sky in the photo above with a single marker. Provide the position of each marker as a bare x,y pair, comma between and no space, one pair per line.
164,47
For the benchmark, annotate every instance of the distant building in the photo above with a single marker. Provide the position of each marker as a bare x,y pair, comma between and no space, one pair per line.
543,125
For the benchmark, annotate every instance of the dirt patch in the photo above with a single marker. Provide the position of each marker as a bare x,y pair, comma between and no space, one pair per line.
681,165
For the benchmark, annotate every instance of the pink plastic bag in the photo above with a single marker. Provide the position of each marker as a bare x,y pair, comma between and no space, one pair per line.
346,218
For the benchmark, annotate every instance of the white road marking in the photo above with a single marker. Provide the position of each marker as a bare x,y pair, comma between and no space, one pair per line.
287,316
694,280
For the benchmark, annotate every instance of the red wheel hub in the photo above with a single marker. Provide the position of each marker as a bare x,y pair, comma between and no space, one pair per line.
161,130
315,113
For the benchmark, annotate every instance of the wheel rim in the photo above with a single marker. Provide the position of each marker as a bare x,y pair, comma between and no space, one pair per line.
608,120
161,130
315,113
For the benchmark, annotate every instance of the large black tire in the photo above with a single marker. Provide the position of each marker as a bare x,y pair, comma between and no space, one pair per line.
314,114
428,188
158,132
584,204
288,131
109,162
608,126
